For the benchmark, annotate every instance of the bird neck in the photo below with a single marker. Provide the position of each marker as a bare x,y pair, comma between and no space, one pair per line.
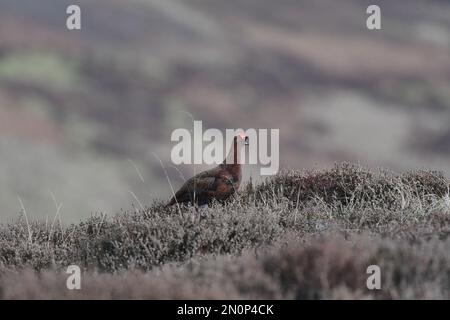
233,158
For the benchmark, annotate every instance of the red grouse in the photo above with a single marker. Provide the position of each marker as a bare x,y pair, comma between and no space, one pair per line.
218,183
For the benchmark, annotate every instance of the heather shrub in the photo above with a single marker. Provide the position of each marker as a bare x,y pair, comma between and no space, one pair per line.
329,266
352,184
404,215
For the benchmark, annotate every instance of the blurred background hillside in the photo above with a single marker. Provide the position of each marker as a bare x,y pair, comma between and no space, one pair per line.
77,106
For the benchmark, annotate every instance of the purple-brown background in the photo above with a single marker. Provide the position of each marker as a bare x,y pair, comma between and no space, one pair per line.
76,105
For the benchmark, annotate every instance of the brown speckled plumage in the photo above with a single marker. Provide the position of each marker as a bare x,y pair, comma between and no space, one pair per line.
218,183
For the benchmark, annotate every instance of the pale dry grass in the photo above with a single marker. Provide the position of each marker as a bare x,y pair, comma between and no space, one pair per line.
297,235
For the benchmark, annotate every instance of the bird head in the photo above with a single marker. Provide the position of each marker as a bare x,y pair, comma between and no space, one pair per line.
244,138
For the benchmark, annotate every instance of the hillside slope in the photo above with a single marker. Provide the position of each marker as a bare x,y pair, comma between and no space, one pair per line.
75,105
297,235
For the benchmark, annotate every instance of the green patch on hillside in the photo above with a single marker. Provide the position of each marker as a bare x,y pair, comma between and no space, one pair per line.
46,69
